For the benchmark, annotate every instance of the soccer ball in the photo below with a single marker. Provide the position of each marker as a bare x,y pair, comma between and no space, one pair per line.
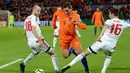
39,71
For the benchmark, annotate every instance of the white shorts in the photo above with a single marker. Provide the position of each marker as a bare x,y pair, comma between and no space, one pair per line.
104,46
36,48
56,32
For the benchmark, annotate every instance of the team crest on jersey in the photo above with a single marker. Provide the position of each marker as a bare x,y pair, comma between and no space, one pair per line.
64,22
70,19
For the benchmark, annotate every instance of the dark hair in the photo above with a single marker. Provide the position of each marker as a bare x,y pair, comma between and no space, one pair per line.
67,4
114,11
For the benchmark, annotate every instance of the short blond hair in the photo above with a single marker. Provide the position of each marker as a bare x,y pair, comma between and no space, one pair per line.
36,6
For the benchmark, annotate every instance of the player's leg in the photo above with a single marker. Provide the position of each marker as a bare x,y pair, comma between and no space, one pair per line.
54,61
65,50
78,49
56,34
107,61
71,50
95,30
11,24
100,25
95,27
54,41
74,61
35,51
92,49
49,50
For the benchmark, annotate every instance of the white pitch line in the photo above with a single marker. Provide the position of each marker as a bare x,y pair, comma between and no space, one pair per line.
10,63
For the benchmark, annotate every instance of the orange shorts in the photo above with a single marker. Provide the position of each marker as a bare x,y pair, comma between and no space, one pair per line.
74,42
96,24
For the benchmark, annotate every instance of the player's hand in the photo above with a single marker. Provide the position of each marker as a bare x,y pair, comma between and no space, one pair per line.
92,22
103,22
54,27
40,43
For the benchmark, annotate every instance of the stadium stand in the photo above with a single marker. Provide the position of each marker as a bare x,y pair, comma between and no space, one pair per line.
22,8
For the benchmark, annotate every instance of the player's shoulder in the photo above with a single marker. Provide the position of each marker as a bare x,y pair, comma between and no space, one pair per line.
59,11
109,21
75,14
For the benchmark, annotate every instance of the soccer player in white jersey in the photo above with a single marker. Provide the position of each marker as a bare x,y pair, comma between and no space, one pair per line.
56,31
35,39
106,41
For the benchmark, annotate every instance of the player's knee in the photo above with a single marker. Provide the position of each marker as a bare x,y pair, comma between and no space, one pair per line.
35,53
65,56
90,50
51,53
109,56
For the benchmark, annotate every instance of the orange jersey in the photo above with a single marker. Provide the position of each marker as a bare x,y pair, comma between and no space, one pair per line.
67,28
97,16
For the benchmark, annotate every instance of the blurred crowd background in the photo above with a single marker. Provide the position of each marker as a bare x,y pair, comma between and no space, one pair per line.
22,8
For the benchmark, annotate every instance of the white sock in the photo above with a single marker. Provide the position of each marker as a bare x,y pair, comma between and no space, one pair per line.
54,41
30,56
55,62
106,63
77,59
77,32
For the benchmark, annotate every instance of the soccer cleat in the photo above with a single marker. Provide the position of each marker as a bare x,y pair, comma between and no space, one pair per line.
65,68
102,72
87,71
57,71
22,67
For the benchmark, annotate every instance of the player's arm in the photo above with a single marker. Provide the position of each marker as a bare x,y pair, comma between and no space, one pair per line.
79,23
25,34
36,35
93,17
102,17
54,20
126,25
102,32
25,31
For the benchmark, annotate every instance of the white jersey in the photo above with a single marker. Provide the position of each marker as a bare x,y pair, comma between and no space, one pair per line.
113,32
58,22
56,31
29,22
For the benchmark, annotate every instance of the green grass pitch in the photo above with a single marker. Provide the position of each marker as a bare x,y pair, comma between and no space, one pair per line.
13,46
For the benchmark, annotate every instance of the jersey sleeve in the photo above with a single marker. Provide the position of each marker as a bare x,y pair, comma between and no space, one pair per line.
54,20
33,21
80,24
126,25
93,16
108,22
24,25
102,16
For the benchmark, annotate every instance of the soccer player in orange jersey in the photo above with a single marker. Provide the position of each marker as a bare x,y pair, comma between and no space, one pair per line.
97,18
68,20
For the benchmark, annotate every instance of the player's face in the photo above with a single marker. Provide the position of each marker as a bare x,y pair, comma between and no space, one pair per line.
97,9
67,10
110,15
37,11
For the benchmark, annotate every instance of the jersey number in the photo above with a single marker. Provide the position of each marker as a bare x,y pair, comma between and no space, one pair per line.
28,26
116,29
